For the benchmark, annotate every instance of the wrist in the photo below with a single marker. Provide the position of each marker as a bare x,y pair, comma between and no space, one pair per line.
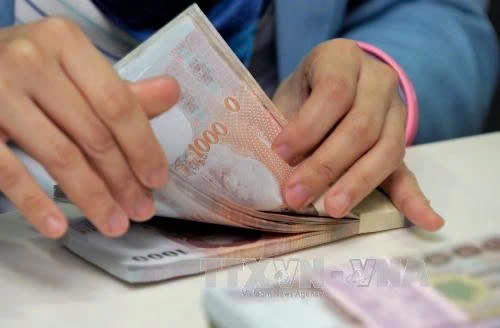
408,91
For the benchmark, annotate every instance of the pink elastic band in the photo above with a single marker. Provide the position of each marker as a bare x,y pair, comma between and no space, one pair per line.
407,87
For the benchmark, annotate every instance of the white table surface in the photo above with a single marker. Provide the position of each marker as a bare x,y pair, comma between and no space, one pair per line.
43,285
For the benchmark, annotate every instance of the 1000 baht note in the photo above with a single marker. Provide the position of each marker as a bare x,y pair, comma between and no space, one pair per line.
218,137
222,169
166,248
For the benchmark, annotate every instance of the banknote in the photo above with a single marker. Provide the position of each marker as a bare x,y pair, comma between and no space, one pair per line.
218,137
274,307
453,287
222,169
167,248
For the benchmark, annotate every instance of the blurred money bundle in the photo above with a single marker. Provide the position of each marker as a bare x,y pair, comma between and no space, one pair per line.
222,169
456,287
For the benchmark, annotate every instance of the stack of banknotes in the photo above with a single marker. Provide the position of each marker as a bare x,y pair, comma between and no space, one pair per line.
222,169
455,287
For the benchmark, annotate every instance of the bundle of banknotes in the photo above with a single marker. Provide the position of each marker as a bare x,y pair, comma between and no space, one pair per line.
455,287
222,169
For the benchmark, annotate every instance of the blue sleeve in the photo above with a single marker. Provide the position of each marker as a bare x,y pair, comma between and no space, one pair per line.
450,51
6,13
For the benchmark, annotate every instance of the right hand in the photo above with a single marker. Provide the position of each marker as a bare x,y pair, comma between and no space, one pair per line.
64,105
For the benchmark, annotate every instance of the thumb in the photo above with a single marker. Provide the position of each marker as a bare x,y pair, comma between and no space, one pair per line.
156,95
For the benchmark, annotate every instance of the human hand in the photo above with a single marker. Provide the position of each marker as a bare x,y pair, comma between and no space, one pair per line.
346,131
63,104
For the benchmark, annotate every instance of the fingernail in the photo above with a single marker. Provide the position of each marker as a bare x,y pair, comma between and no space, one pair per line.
298,196
54,227
285,152
338,205
144,208
438,223
118,223
158,177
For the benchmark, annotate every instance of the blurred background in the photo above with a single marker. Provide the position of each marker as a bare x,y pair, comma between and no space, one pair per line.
493,123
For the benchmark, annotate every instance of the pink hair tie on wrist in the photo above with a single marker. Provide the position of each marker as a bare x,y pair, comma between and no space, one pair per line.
407,87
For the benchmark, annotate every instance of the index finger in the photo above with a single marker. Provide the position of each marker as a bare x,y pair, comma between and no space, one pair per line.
332,77
114,103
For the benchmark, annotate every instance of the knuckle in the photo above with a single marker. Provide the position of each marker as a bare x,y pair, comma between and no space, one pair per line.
9,176
309,64
33,201
316,53
100,141
115,106
390,75
337,88
65,156
327,170
347,45
124,184
25,52
149,149
365,181
334,43
353,48
363,130
322,54
385,74
59,26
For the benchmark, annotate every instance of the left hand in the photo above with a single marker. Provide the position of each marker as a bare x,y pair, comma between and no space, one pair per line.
346,132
